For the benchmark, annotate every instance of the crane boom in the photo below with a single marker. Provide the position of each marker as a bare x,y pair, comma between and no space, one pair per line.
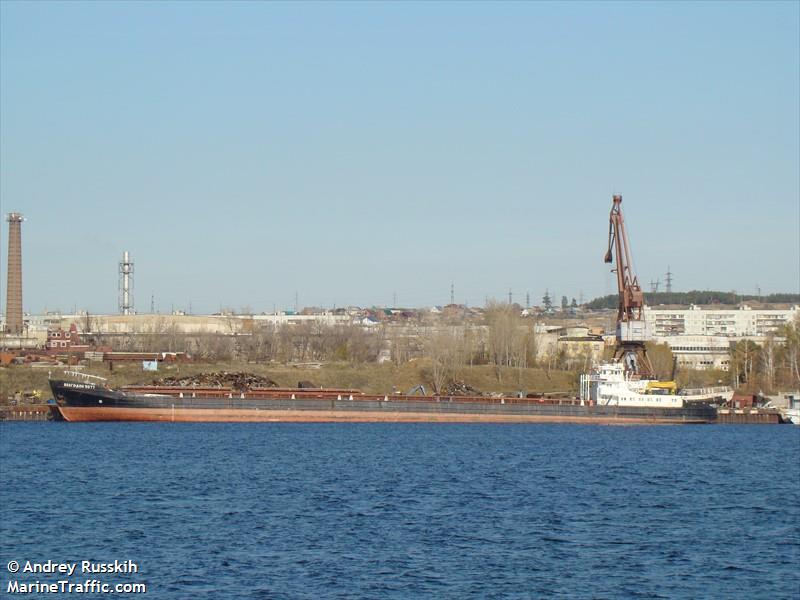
631,297
631,328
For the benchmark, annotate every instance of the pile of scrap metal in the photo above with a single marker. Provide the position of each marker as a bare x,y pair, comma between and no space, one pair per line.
220,379
460,388
19,358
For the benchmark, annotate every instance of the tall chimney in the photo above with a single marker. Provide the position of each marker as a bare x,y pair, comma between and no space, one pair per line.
126,284
14,287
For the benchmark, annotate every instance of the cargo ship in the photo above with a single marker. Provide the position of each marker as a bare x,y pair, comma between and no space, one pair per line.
82,398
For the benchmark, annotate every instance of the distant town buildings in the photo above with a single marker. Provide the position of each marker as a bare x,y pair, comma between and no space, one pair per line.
699,338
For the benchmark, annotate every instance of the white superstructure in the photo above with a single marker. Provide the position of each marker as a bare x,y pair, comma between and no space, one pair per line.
792,413
609,384
788,405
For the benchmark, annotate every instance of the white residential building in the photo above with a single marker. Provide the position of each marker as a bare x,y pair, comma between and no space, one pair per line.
743,322
700,338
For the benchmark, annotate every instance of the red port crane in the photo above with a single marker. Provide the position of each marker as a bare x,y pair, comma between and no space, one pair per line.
631,330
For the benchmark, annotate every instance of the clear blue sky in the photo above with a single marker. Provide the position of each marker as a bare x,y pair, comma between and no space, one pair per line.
243,152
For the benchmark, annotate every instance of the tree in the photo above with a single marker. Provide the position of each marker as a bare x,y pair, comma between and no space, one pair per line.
501,323
744,363
547,302
695,297
510,340
445,350
662,360
400,343
564,303
790,354
768,362
87,323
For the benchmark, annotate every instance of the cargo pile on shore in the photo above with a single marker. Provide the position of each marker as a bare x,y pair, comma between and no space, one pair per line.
460,388
239,381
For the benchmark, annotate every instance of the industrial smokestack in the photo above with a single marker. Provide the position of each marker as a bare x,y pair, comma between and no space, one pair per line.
14,286
126,284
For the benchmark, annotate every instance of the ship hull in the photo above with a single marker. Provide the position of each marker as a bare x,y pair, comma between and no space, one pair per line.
80,402
183,415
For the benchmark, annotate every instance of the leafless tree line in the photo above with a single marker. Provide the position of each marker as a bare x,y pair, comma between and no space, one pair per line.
504,339
299,343
770,366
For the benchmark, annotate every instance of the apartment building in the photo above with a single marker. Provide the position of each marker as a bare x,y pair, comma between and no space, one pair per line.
742,322
700,338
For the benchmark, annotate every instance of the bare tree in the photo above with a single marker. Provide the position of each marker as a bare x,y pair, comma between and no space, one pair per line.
768,362
87,323
444,348
511,341
501,325
744,362
791,351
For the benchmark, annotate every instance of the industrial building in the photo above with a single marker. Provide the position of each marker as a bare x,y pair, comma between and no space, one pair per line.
38,325
700,351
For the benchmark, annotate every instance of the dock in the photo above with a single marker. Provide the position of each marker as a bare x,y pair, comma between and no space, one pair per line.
748,416
25,412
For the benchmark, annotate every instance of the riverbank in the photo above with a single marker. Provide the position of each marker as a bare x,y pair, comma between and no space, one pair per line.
368,378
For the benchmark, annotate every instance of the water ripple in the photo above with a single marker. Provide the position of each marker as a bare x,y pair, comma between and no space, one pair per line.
411,511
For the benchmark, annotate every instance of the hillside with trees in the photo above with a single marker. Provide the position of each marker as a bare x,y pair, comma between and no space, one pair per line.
696,297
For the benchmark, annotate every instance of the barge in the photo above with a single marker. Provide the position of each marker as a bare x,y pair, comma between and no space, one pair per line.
87,398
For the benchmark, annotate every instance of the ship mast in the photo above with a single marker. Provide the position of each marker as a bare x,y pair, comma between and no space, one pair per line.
631,331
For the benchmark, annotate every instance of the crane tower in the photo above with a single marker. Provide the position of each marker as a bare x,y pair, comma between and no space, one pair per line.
631,327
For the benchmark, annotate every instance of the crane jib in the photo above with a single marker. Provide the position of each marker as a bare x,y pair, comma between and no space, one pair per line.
631,327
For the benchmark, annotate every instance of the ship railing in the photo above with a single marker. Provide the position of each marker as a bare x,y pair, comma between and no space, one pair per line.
719,389
84,376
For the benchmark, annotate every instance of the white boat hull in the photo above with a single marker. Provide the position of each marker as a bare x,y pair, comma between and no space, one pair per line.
792,415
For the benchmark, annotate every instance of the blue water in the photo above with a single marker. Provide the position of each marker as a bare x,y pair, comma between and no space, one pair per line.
409,510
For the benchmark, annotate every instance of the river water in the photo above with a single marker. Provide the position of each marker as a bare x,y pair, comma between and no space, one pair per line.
407,510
